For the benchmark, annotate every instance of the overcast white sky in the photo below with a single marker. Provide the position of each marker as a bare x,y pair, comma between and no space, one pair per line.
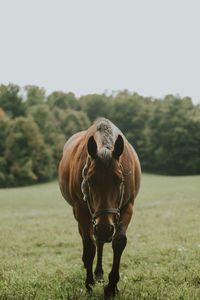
87,46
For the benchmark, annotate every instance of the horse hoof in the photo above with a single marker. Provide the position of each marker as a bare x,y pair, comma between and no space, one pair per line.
88,286
99,277
88,289
109,291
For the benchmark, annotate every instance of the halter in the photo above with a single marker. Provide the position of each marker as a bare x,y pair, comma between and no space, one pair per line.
86,198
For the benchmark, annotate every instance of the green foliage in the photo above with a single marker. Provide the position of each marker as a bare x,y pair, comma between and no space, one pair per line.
34,95
73,122
95,106
41,249
50,126
63,101
3,165
165,133
4,128
11,101
31,146
130,113
175,138
28,158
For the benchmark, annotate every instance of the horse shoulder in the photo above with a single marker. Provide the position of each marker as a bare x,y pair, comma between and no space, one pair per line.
133,168
68,165
73,140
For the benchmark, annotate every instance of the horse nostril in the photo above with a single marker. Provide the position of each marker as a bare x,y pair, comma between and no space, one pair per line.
112,230
104,233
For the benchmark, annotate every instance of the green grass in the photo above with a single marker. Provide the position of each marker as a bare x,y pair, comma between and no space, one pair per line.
40,248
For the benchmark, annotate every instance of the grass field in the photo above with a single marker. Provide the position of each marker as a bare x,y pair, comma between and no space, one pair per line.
40,248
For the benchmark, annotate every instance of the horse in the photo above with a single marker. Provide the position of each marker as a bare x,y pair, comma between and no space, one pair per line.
99,176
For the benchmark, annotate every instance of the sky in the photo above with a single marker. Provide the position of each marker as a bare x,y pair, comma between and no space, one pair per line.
89,46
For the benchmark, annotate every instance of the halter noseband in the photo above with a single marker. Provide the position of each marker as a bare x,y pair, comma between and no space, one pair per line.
86,198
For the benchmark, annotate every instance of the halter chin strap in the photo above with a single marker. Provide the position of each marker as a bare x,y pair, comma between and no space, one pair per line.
86,198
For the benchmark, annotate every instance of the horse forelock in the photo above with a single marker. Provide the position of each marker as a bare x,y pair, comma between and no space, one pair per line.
104,127
104,157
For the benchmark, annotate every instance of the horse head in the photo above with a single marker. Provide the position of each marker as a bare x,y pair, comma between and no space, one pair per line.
105,185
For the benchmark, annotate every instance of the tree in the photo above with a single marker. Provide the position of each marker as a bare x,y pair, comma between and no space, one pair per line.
11,101
175,141
34,95
165,132
4,129
63,101
131,113
95,106
50,127
73,122
28,158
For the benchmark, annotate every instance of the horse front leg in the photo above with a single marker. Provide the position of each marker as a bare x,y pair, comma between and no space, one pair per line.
89,250
118,245
99,269
89,247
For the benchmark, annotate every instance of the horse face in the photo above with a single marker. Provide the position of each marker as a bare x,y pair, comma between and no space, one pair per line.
104,181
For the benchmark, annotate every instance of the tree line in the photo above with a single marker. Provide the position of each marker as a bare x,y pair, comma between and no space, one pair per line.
34,127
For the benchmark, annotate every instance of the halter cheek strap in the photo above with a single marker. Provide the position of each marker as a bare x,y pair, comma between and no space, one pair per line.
86,198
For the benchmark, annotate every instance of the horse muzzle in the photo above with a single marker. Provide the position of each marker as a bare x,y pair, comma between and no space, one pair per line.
104,233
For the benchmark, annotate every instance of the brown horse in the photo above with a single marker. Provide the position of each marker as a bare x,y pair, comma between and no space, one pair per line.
99,175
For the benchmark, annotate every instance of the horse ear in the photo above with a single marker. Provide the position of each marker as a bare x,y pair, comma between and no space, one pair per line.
92,147
118,147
